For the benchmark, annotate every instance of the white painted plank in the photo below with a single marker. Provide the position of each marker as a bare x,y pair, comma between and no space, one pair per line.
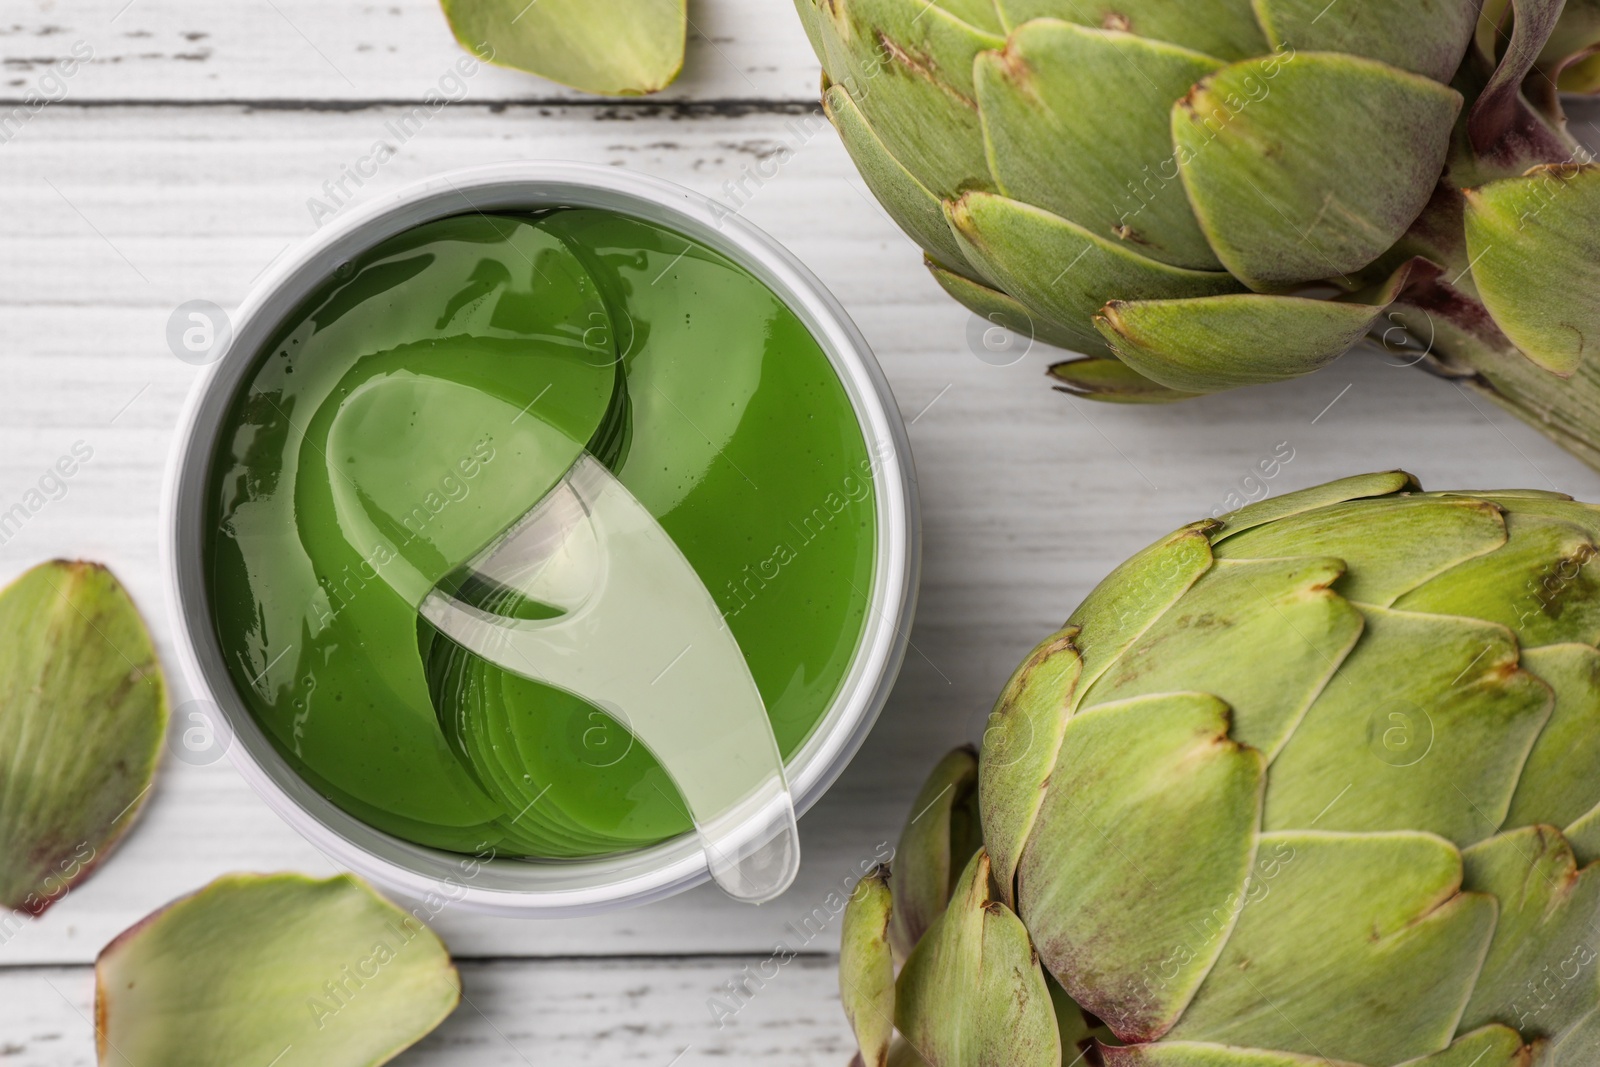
110,218
515,1014
310,50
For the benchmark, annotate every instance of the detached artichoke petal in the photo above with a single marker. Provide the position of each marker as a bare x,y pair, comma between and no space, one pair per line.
1224,28
1131,934
866,968
1209,344
972,994
908,202
1060,271
1535,247
1111,381
1385,921
1422,36
941,835
278,969
608,47
1286,201
1548,909
1077,122
83,710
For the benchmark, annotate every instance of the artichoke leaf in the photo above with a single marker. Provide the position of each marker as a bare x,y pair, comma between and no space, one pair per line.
909,203
1357,487
1558,785
866,968
1076,122
997,308
1285,201
1198,1054
1208,344
1224,28
1136,594
1541,585
1503,128
607,47
1426,37
1535,247
1019,751
1426,727
1285,609
279,969
1492,1046
941,835
1392,548
972,994
908,65
1111,381
1060,271
1383,917
1542,974
83,709
1131,934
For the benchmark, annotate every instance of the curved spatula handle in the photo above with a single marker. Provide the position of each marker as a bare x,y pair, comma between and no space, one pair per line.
641,638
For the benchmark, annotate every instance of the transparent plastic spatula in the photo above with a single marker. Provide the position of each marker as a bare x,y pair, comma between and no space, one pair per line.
641,638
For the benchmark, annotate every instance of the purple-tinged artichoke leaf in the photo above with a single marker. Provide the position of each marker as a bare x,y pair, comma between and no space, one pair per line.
972,994
866,968
1535,246
607,47
83,710
1285,201
1503,127
1131,934
272,969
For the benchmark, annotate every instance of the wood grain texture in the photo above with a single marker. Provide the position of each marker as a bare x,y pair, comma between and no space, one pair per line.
348,54
116,207
641,1013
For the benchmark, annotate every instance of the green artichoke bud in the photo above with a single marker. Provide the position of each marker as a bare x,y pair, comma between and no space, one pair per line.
1205,194
1315,785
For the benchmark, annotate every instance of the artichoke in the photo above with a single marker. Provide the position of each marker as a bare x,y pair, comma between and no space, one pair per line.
1316,785
1203,194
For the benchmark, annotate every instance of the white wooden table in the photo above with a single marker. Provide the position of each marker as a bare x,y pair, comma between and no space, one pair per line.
180,162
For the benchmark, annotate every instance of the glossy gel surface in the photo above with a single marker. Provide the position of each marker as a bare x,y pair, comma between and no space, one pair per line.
440,386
